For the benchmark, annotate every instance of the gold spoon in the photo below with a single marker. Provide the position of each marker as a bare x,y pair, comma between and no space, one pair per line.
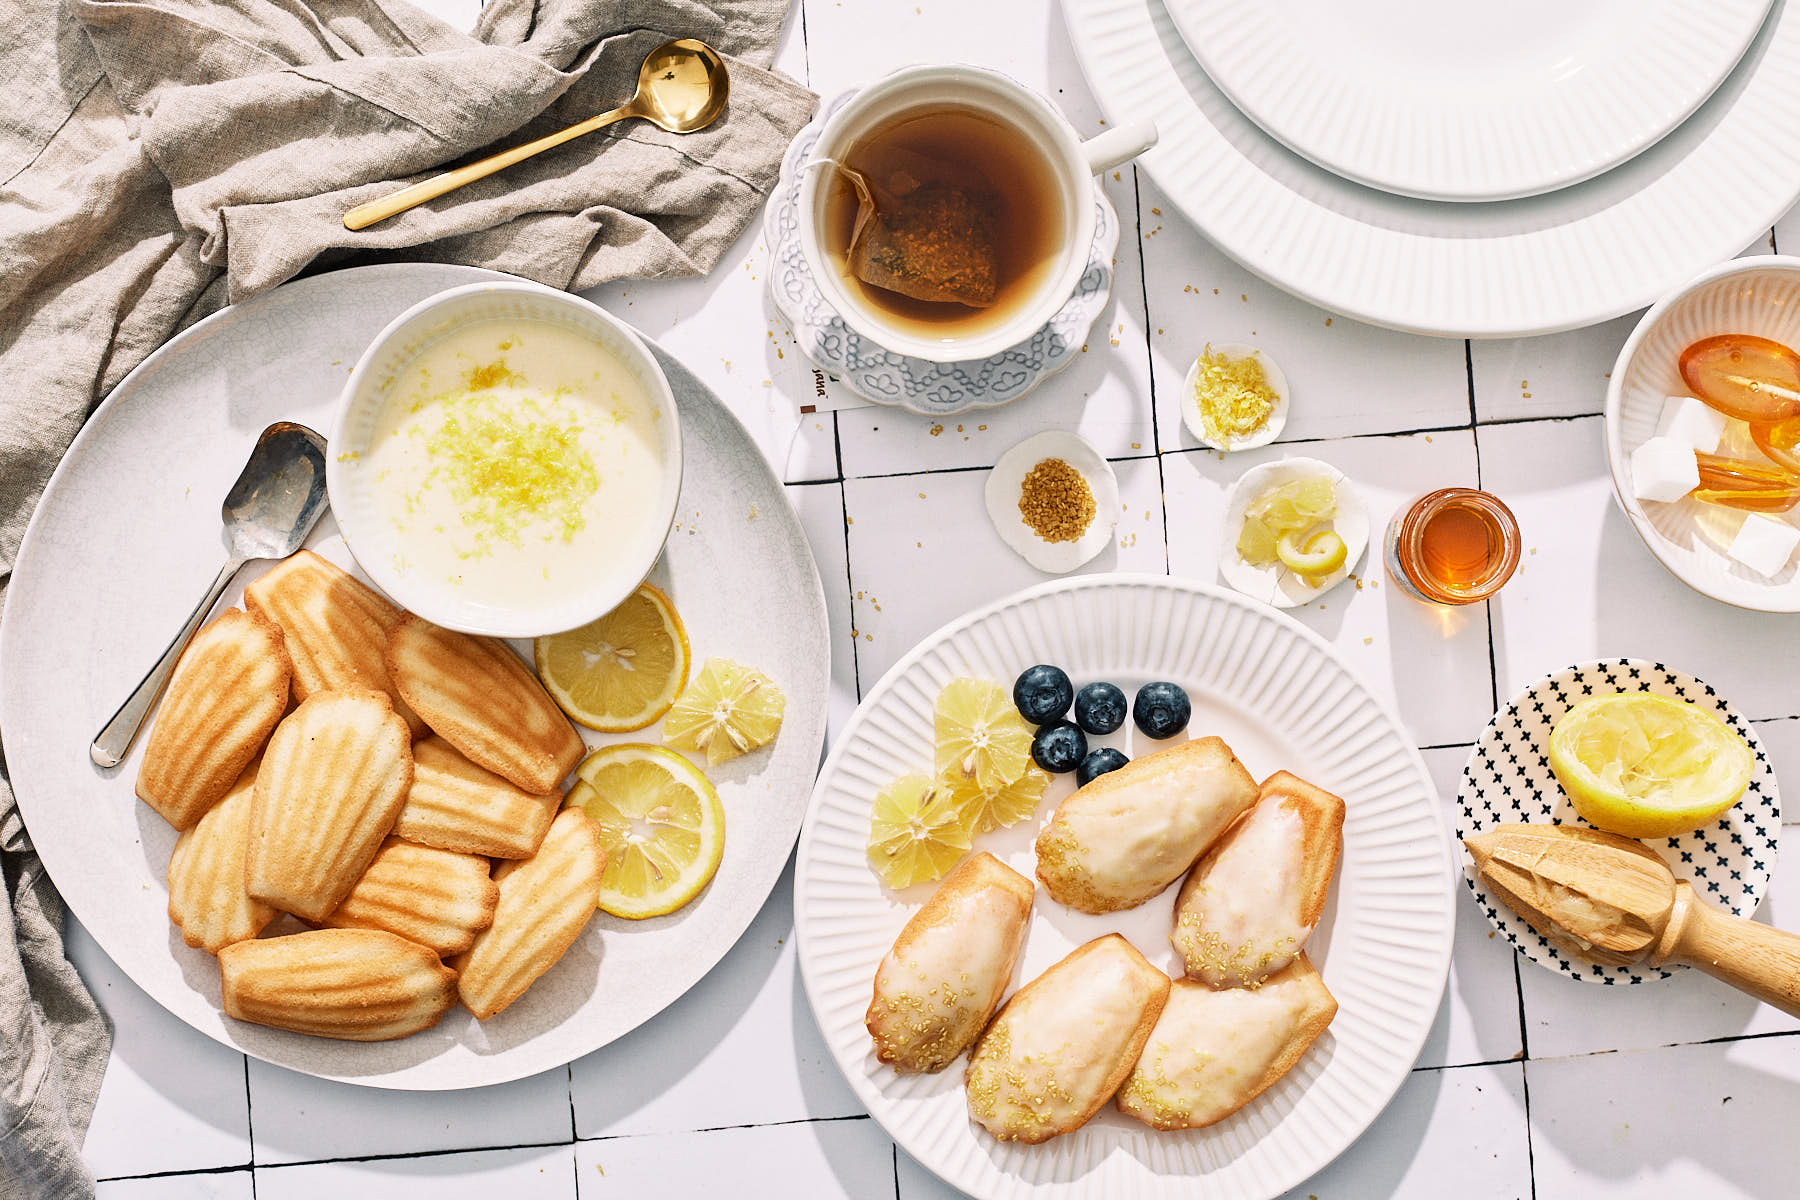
682,87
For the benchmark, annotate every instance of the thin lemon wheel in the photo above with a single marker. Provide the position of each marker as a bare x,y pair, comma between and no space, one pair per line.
728,710
916,832
987,809
1648,766
980,735
660,821
622,672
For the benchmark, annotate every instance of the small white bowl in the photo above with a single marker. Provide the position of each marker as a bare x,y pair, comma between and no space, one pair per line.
1274,584
370,534
1759,296
1278,414
1005,481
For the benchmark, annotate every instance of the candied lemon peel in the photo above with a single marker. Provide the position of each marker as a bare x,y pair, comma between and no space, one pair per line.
729,709
1286,508
1232,394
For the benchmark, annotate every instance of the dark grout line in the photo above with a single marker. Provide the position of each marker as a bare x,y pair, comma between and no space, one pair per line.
1162,483
1581,416
231,1170
569,1078
894,1147
850,592
249,1124
1486,1062
1449,746
614,1137
1525,1078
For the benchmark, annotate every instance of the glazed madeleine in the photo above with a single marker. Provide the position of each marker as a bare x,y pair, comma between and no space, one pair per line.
207,897
937,987
1131,833
330,785
335,626
228,692
1247,908
437,898
455,805
360,985
1065,1042
1212,1052
476,694
545,902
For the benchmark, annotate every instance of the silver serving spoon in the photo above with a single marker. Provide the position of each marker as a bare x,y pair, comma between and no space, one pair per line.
269,511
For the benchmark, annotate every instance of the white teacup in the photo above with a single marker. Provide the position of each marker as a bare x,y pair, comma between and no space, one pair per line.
1071,161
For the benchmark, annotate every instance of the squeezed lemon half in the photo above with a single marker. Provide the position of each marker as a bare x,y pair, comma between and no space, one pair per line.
916,832
728,710
621,672
660,821
1648,766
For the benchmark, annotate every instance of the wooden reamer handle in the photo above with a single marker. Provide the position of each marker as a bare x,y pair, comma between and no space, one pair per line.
1758,959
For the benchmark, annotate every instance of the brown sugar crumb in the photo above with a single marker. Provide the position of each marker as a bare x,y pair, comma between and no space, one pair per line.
1056,501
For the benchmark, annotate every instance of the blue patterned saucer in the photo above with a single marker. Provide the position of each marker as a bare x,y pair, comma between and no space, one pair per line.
878,374
1508,779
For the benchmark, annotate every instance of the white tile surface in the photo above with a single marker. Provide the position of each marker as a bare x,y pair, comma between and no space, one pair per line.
1559,375
1588,588
172,1100
817,1160
1712,1121
529,1173
922,551
821,509
741,1048
298,1118
1430,661
223,1185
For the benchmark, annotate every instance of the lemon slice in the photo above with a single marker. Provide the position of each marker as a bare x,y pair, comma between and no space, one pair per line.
621,672
660,821
985,809
1314,556
980,735
728,710
915,832
1648,766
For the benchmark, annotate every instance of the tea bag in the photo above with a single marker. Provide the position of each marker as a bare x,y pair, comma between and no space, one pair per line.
924,228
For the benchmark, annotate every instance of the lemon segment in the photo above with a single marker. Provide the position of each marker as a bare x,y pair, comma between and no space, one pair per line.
915,832
660,821
621,672
986,809
980,735
1648,766
1289,508
1313,556
728,710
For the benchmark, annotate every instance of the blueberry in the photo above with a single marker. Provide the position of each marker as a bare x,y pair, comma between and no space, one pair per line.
1162,710
1059,747
1042,694
1100,708
1097,763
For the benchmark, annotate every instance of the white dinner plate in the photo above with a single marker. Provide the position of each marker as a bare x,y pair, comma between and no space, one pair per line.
1507,780
1468,101
1283,699
1558,261
126,538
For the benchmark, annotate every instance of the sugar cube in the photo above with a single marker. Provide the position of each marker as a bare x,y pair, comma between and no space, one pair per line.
1663,469
1692,423
1763,544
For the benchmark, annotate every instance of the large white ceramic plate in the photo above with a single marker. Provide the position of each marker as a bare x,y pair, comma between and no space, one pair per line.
1468,101
1565,259
1758,295
127,536
1283,699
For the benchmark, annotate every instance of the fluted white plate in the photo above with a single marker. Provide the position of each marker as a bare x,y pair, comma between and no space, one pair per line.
1283,699
1468,101
1565,259
1760,296
126,537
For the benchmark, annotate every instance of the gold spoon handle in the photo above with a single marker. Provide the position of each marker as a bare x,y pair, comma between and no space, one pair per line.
365,215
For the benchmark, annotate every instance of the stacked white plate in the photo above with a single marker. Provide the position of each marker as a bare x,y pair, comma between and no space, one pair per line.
1489,170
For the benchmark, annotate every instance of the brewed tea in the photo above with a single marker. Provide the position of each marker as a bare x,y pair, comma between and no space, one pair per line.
945,221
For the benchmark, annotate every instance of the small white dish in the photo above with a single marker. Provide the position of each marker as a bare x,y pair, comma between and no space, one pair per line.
1275,584
372,533
1468,102
1759,296
1007,478
1278,383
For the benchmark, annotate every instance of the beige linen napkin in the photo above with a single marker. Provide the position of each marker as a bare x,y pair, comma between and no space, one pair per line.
161,157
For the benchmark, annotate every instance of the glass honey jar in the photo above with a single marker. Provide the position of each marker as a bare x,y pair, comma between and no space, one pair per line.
1452,546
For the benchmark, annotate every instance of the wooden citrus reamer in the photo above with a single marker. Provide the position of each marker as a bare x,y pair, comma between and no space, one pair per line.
1611,900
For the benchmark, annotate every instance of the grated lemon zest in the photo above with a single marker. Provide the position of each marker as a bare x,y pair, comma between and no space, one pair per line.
1233,395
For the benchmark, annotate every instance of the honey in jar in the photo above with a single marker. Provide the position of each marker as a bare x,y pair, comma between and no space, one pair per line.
1453,546
1750,378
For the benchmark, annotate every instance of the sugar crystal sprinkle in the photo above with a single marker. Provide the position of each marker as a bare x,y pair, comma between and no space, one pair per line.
1055,501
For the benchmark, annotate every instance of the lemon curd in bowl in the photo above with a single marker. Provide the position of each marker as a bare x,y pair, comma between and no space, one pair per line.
506,460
